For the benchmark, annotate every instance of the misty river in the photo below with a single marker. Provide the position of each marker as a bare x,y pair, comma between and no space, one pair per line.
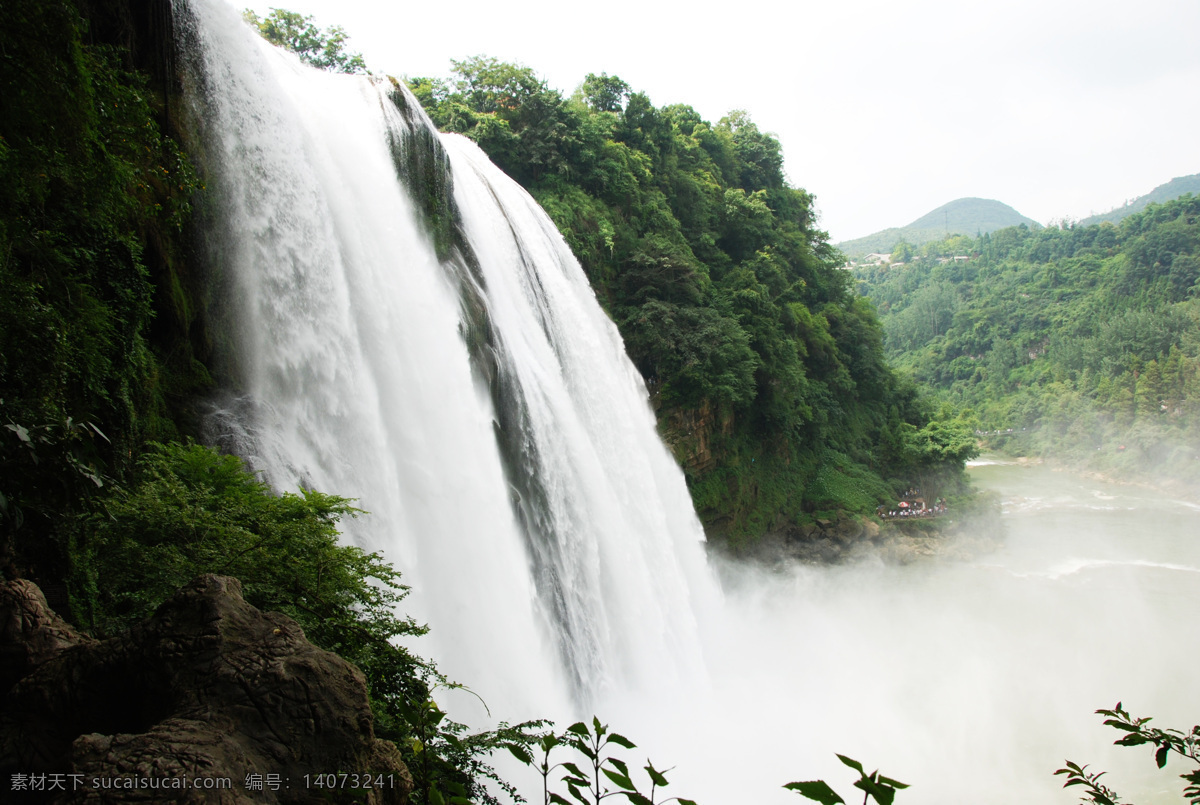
971,681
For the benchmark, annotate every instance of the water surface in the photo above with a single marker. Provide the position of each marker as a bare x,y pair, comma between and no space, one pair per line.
970,680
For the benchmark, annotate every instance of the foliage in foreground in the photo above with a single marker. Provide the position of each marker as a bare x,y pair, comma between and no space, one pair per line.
588,782
1165,742
874,786
190,510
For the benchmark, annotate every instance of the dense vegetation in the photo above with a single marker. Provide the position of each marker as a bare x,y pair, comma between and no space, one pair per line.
1081,343
94,314
187,510
766,370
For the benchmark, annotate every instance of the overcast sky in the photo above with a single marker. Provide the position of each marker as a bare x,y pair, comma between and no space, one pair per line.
886,110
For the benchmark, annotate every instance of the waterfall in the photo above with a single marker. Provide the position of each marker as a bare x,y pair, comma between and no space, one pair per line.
404,325
400,323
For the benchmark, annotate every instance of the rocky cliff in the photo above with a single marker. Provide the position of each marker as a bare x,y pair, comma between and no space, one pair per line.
210,700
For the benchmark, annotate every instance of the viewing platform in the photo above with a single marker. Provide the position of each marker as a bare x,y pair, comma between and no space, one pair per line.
912,505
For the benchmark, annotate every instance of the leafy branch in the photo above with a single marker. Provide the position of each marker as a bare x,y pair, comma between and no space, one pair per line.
1095,791
590,785
448,764
874,785
1164,741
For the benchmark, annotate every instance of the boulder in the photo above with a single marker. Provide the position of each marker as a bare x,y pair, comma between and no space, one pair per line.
30,632
208,690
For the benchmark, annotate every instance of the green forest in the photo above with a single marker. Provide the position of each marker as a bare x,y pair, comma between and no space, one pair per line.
1076,343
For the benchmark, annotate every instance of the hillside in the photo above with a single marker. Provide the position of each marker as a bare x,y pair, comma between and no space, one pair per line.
765,369
1079,343
964,216
1170,191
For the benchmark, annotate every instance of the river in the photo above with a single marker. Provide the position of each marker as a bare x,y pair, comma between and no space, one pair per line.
970,680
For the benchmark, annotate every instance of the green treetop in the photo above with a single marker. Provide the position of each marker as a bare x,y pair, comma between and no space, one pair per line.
323,48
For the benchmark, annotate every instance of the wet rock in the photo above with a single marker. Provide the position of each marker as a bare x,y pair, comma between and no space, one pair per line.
689,433
848,530
853,539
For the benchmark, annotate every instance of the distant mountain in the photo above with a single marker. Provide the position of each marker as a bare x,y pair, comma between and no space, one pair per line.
964,216
1179,186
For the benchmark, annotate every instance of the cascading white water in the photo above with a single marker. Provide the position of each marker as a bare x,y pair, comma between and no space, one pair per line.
358,380
619,528
480,406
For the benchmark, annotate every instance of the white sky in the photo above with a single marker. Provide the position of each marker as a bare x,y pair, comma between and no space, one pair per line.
885,109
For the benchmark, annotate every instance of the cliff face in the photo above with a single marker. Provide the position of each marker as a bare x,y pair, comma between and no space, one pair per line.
689,432
208,689
103,340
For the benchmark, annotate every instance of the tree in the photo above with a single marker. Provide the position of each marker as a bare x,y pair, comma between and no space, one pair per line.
692,353
902,253
605,93
1148,392
759,154
325,48
526,128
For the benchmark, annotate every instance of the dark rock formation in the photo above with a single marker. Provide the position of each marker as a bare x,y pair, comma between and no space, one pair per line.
689,432
30,632
208,688
896,542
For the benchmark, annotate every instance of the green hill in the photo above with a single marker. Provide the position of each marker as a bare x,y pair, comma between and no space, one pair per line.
964,216
1170,191
1079,343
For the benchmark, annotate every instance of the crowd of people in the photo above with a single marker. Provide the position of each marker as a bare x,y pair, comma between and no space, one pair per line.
912,505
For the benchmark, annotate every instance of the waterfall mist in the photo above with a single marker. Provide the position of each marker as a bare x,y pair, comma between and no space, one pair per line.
972,680
469,391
